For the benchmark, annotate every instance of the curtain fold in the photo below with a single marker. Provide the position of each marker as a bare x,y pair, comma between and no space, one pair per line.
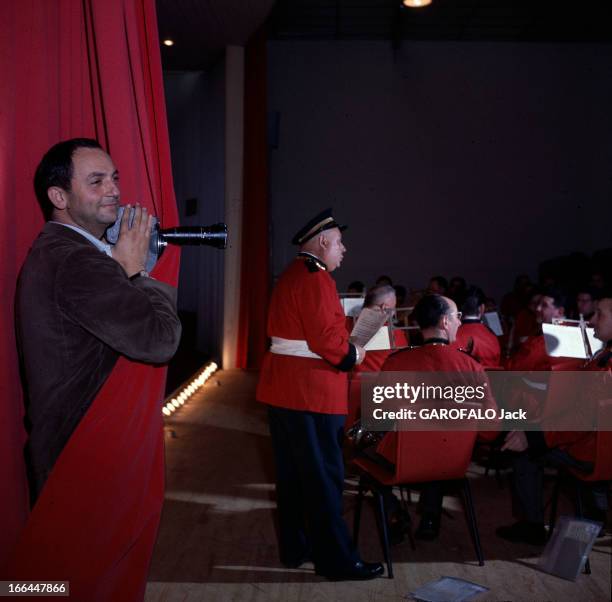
83,68
255,271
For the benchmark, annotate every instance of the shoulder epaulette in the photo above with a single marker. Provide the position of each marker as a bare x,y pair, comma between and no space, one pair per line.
313,264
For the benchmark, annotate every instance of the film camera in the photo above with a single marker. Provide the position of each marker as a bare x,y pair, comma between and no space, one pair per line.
212,236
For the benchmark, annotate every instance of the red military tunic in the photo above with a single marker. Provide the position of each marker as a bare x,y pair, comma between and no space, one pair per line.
305,307
436,358
582,444
532,357
480,342
526,325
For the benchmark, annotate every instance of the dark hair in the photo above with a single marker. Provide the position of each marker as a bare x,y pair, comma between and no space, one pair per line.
557,295
376,293
588,290
384,279
441,281
428,311
357,286
55,169
474,298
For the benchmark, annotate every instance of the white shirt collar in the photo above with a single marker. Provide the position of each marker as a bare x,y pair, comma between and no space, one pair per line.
101,246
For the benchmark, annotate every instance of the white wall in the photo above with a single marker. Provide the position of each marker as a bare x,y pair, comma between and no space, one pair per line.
479,159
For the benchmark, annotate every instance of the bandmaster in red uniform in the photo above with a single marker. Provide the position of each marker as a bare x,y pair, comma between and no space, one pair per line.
304,383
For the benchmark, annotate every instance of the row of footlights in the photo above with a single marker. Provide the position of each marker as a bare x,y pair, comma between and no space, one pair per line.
179,398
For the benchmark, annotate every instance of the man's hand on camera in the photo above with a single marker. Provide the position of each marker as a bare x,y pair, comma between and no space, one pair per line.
132,245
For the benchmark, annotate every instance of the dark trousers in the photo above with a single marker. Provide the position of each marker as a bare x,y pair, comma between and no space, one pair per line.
309,483
528,480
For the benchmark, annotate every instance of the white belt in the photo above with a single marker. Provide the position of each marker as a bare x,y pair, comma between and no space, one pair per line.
292,347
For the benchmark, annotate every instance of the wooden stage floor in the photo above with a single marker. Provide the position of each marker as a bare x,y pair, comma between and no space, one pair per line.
217,539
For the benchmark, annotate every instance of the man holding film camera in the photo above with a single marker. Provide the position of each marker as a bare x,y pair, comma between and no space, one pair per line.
80,304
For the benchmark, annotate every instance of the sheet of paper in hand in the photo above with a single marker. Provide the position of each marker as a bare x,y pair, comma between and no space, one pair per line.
368,324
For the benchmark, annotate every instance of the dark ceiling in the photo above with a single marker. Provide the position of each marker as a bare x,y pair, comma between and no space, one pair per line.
202,28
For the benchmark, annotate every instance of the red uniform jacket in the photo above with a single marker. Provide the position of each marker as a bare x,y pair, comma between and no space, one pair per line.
305,307
532,357
526,324
582,444
435,358
480,342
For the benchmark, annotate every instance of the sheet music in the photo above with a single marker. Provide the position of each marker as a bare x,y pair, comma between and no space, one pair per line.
594,343
351,306
380,340
367,325
491,319
564,341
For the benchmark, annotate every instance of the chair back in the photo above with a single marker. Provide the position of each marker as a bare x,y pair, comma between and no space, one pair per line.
423,456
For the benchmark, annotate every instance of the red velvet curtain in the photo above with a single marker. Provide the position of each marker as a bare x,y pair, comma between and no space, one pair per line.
83,68
255,285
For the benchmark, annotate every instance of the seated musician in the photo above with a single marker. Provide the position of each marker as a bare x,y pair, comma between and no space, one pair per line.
585,303
457,289
531,356
356,287
439,320
381,297
525,323
474,337
573,449
438,285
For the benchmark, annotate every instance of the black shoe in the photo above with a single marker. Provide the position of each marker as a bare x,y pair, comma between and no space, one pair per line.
296,563
523,532
429,527
360,571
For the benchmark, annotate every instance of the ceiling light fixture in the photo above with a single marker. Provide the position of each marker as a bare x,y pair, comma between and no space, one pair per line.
168,42
416,3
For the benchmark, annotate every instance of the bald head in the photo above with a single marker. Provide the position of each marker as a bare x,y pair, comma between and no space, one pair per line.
437,317
328,247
